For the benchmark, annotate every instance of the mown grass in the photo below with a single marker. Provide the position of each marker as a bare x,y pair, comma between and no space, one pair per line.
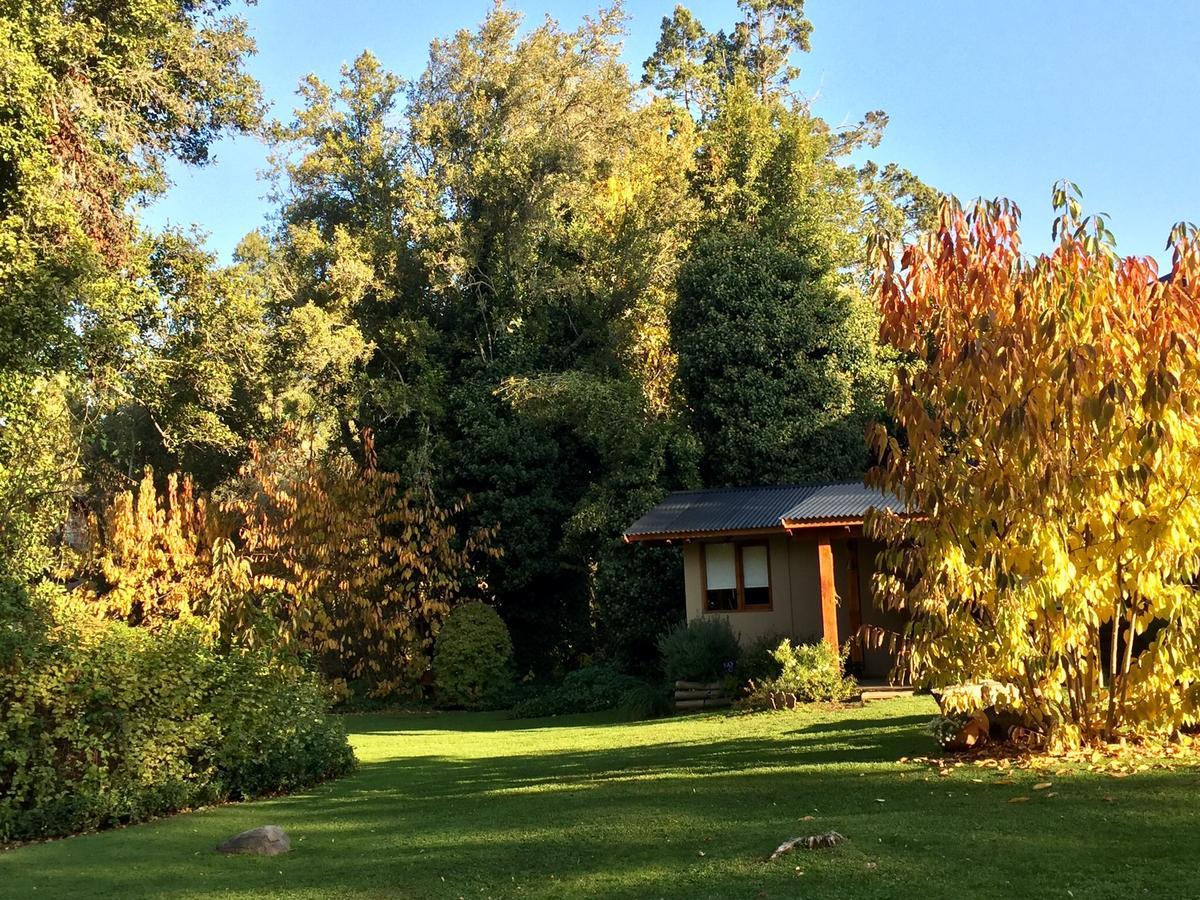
463,805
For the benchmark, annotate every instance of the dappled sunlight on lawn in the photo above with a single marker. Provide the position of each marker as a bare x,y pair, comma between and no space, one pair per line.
477,805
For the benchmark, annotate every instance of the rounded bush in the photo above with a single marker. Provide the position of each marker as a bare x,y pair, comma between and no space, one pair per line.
807,672
701,650
473,658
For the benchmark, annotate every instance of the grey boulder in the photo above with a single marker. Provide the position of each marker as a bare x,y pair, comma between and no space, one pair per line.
266,840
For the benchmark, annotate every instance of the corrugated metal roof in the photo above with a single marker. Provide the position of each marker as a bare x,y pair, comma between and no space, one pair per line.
849,500
718,510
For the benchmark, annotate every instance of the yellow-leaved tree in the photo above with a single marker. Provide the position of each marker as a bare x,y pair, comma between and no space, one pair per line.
150,557
323,554
1048,448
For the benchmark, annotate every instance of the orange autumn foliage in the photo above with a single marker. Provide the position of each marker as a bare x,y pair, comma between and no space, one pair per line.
1048,414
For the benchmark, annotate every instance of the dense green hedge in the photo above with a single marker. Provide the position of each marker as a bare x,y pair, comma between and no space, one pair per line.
590,689
106,724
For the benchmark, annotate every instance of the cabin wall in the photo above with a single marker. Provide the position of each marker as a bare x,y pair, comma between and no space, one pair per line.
796,596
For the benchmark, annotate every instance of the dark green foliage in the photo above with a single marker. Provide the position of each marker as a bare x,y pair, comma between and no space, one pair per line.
108,724
473,658
276,734
639,596
24,620
590,689
704,649
770,359
525,476
758,660
647,701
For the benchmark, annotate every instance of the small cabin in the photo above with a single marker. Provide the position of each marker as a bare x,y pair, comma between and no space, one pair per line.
787,560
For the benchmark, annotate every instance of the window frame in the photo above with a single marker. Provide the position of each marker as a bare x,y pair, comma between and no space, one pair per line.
740,581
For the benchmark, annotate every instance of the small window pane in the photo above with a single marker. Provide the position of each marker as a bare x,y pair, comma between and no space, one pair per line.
754,567
722,600
756,579
720,576
721,573
759,596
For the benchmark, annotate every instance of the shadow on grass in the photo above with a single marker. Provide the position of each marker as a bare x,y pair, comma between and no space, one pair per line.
670,817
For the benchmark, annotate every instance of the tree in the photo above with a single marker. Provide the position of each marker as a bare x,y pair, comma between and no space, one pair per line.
691,65
680,66
314,553
150,558
763,42
519,217
778,361
101,94
345,561
778,366
1048,449
98,96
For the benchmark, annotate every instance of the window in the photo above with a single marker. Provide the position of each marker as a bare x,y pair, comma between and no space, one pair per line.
720,572
756,580
737,577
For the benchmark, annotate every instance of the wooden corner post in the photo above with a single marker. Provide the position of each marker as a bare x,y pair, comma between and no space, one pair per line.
829,627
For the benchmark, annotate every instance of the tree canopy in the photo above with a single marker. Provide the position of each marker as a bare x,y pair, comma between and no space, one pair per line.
550,292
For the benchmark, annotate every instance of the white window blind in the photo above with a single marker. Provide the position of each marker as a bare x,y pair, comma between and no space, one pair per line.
721,573
754,567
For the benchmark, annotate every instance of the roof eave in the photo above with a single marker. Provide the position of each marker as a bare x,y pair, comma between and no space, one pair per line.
665,537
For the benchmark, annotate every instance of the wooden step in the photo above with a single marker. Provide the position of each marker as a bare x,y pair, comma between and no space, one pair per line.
698,694
872,693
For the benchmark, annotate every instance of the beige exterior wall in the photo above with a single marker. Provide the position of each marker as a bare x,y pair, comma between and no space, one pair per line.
750,624
796,595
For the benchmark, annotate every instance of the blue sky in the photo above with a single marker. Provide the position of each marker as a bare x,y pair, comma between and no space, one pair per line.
985,98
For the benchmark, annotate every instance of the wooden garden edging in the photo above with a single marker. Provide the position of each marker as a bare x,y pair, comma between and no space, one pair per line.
700,695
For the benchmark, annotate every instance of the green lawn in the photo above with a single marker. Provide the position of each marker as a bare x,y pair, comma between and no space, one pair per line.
462,805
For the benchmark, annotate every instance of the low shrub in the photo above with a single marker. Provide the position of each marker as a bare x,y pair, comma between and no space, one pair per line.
276,735
704,649
646,701
473,659
809,672
758,661
590,689
109,724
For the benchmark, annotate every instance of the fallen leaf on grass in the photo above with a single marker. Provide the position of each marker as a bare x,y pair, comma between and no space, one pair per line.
1042,785
1018,800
